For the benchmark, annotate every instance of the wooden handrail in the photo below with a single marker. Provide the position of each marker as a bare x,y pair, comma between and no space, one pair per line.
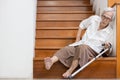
112,3
118,38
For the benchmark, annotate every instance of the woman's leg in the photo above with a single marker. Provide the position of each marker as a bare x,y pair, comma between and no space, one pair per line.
74,64
50,61
62,55
81,56
71,69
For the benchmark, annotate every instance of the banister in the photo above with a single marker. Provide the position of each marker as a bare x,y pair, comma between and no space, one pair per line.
118,39
113,3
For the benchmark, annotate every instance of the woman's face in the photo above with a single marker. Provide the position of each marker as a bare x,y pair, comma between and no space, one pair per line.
106,18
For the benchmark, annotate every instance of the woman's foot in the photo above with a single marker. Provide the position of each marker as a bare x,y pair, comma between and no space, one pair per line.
67,74
48,63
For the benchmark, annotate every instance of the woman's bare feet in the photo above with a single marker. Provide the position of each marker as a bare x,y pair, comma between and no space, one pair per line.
71,69
67,74
48,63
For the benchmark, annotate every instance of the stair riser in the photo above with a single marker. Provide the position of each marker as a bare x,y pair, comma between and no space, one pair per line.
62,16
44,53
82,8
63,3
41,72
100,69
57,24
53,42
56,33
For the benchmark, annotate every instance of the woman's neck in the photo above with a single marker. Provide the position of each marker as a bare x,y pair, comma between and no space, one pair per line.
102,27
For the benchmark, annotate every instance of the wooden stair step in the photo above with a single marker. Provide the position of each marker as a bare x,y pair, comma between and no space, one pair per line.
41,53
65,12
60,24
63,3
57,32
78,8
62,17
53,42
102,68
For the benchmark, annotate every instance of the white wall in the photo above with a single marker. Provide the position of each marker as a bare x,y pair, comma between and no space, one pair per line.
99,5
17,32
113,23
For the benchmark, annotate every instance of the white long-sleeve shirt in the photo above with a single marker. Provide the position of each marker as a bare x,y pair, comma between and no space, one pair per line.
94,37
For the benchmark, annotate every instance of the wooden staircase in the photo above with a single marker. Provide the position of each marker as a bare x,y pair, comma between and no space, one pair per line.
57,24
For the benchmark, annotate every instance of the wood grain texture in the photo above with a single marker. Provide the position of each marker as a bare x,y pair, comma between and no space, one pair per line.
65,12
100,69
63,3
57,24
111,2
73,8
66,17
118,41
53,42
40,53
56,33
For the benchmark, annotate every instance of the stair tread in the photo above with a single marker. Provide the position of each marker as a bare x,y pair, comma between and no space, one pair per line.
62,17
63,3
66,12
103,58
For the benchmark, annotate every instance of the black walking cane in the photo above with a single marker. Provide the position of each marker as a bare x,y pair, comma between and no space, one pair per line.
80,69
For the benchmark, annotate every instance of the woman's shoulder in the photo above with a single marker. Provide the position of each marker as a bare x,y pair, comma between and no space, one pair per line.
95,18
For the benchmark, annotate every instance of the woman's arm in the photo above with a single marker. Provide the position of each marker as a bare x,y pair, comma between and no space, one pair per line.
78,34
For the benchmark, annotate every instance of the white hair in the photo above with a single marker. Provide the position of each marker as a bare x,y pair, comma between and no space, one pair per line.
109,9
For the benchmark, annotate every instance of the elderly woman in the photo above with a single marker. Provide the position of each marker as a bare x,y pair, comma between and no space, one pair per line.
98,32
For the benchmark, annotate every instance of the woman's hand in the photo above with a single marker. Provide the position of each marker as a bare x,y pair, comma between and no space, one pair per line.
107,45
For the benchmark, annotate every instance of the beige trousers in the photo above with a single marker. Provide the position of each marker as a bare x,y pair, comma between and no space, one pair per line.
83,53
